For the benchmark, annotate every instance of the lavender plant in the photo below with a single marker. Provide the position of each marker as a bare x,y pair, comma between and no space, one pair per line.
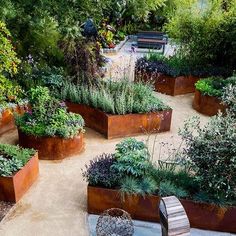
113,97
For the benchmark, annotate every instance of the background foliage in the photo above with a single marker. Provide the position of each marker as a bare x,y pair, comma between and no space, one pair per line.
205,30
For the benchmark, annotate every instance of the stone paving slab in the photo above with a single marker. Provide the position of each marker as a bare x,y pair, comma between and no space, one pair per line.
142,228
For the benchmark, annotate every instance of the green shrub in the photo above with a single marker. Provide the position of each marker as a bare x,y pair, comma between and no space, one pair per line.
145,186
214,86
113,97
13,158
129,145
205,32
48,117
177,65
100,173
167,188
8,58
207,175
212,152
33,74
9,90
229,98
132,158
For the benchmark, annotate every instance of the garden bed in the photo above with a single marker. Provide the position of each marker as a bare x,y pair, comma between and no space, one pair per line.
14,187
201,215
116,49
207,105
7,119
52,148
169,85
115,126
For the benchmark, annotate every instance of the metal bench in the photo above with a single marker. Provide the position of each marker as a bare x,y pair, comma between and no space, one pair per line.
173,218
152,40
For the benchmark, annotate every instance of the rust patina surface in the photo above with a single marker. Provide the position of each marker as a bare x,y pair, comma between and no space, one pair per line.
116,126
201,215
52,148
207,105
7,119
14,187
169,85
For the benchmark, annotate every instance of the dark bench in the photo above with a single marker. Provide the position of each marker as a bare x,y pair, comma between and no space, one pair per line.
152,40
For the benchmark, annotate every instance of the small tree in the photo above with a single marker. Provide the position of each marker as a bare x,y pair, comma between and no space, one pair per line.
8,58
211,151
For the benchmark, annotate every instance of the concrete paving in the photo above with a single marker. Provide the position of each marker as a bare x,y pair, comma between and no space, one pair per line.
142,228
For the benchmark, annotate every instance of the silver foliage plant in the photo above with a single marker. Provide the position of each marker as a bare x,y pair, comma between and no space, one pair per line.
211,150
122,97
229,98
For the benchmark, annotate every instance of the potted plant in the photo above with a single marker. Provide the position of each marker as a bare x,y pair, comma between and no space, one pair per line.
128,179
117,109
49,128
19,169
207,98
173,75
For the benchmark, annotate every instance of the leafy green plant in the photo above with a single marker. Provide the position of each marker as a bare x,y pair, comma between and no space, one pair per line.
229,98
130,185
129,145
214,86
134,163
48,116
167,188
13,158
203,31
205,181
176,65
9,91
113,97
132,158
212,152
8,58
32,73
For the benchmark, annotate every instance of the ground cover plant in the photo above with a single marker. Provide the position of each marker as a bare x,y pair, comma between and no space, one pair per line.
48,116
122,97
215,86
203,169
13,158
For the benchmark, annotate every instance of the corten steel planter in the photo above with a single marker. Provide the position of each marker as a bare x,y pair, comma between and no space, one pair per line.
52,148
167,84
115,126
13,188
201,215
7,119
207,105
